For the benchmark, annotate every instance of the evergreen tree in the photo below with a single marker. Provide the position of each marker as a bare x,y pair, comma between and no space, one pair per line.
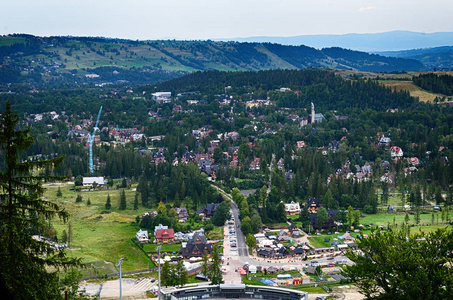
205,264
216,272
406,218
136,201
181,273
304,216
88,202
356,217
124,183
417,215
108,204
24,261
350,215
321,217
79,198
165,276
123,200
59,193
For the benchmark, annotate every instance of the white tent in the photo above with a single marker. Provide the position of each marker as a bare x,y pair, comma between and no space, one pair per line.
265,243
252,269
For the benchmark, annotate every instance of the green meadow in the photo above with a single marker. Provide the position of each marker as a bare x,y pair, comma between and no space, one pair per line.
98,236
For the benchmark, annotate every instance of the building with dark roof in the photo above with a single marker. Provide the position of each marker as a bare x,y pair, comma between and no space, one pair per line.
312,205
197,246
208,210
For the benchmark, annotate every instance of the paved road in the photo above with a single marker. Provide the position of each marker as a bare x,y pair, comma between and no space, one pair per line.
242,247
239,257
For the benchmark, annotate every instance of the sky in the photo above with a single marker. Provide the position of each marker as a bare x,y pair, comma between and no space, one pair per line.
212,19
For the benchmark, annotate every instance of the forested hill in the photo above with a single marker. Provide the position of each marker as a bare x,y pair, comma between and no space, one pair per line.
327,90
65,60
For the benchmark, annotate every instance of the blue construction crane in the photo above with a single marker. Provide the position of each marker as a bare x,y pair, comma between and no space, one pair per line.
91,139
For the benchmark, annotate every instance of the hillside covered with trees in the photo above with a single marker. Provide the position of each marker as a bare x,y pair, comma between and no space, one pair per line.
76,61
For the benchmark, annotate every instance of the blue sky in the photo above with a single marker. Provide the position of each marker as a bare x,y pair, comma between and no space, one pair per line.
210,19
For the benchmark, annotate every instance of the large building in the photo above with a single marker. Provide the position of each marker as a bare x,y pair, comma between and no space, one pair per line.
234,291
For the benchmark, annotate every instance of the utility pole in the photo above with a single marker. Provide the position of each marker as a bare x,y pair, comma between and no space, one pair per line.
158,257
119,265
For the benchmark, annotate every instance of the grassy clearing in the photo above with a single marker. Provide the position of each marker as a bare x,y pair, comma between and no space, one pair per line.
413,89
101,237
384,219
11,40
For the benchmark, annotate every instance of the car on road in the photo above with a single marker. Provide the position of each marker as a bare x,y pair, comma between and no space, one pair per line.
233,245
232,241
330,258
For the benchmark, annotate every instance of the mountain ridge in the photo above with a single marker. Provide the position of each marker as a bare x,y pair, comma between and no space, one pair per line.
72,59
396,40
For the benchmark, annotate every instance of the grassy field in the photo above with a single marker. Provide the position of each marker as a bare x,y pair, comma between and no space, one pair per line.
413,89
101,237
385,219
10,40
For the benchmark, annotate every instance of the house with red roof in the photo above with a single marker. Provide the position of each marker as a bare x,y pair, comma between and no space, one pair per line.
300,144
164,236
396,151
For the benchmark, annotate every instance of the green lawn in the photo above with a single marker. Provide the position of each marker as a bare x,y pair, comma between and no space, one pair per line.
382,219
169,248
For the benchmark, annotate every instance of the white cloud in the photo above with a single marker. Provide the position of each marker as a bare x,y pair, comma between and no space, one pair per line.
366,9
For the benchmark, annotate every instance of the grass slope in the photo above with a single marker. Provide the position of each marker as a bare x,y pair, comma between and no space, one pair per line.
414,90
101,237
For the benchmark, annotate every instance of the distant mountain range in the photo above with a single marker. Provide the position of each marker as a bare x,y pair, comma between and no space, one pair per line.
367,42
440,58
72,60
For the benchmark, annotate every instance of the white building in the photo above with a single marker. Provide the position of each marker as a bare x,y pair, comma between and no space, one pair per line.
142,236
88,181
292,208
163,97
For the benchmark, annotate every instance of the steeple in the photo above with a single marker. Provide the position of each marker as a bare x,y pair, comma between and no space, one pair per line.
312,113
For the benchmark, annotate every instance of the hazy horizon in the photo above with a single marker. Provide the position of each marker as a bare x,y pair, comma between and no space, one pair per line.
205,19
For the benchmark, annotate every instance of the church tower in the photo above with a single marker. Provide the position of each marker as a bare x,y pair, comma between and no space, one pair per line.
312,113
